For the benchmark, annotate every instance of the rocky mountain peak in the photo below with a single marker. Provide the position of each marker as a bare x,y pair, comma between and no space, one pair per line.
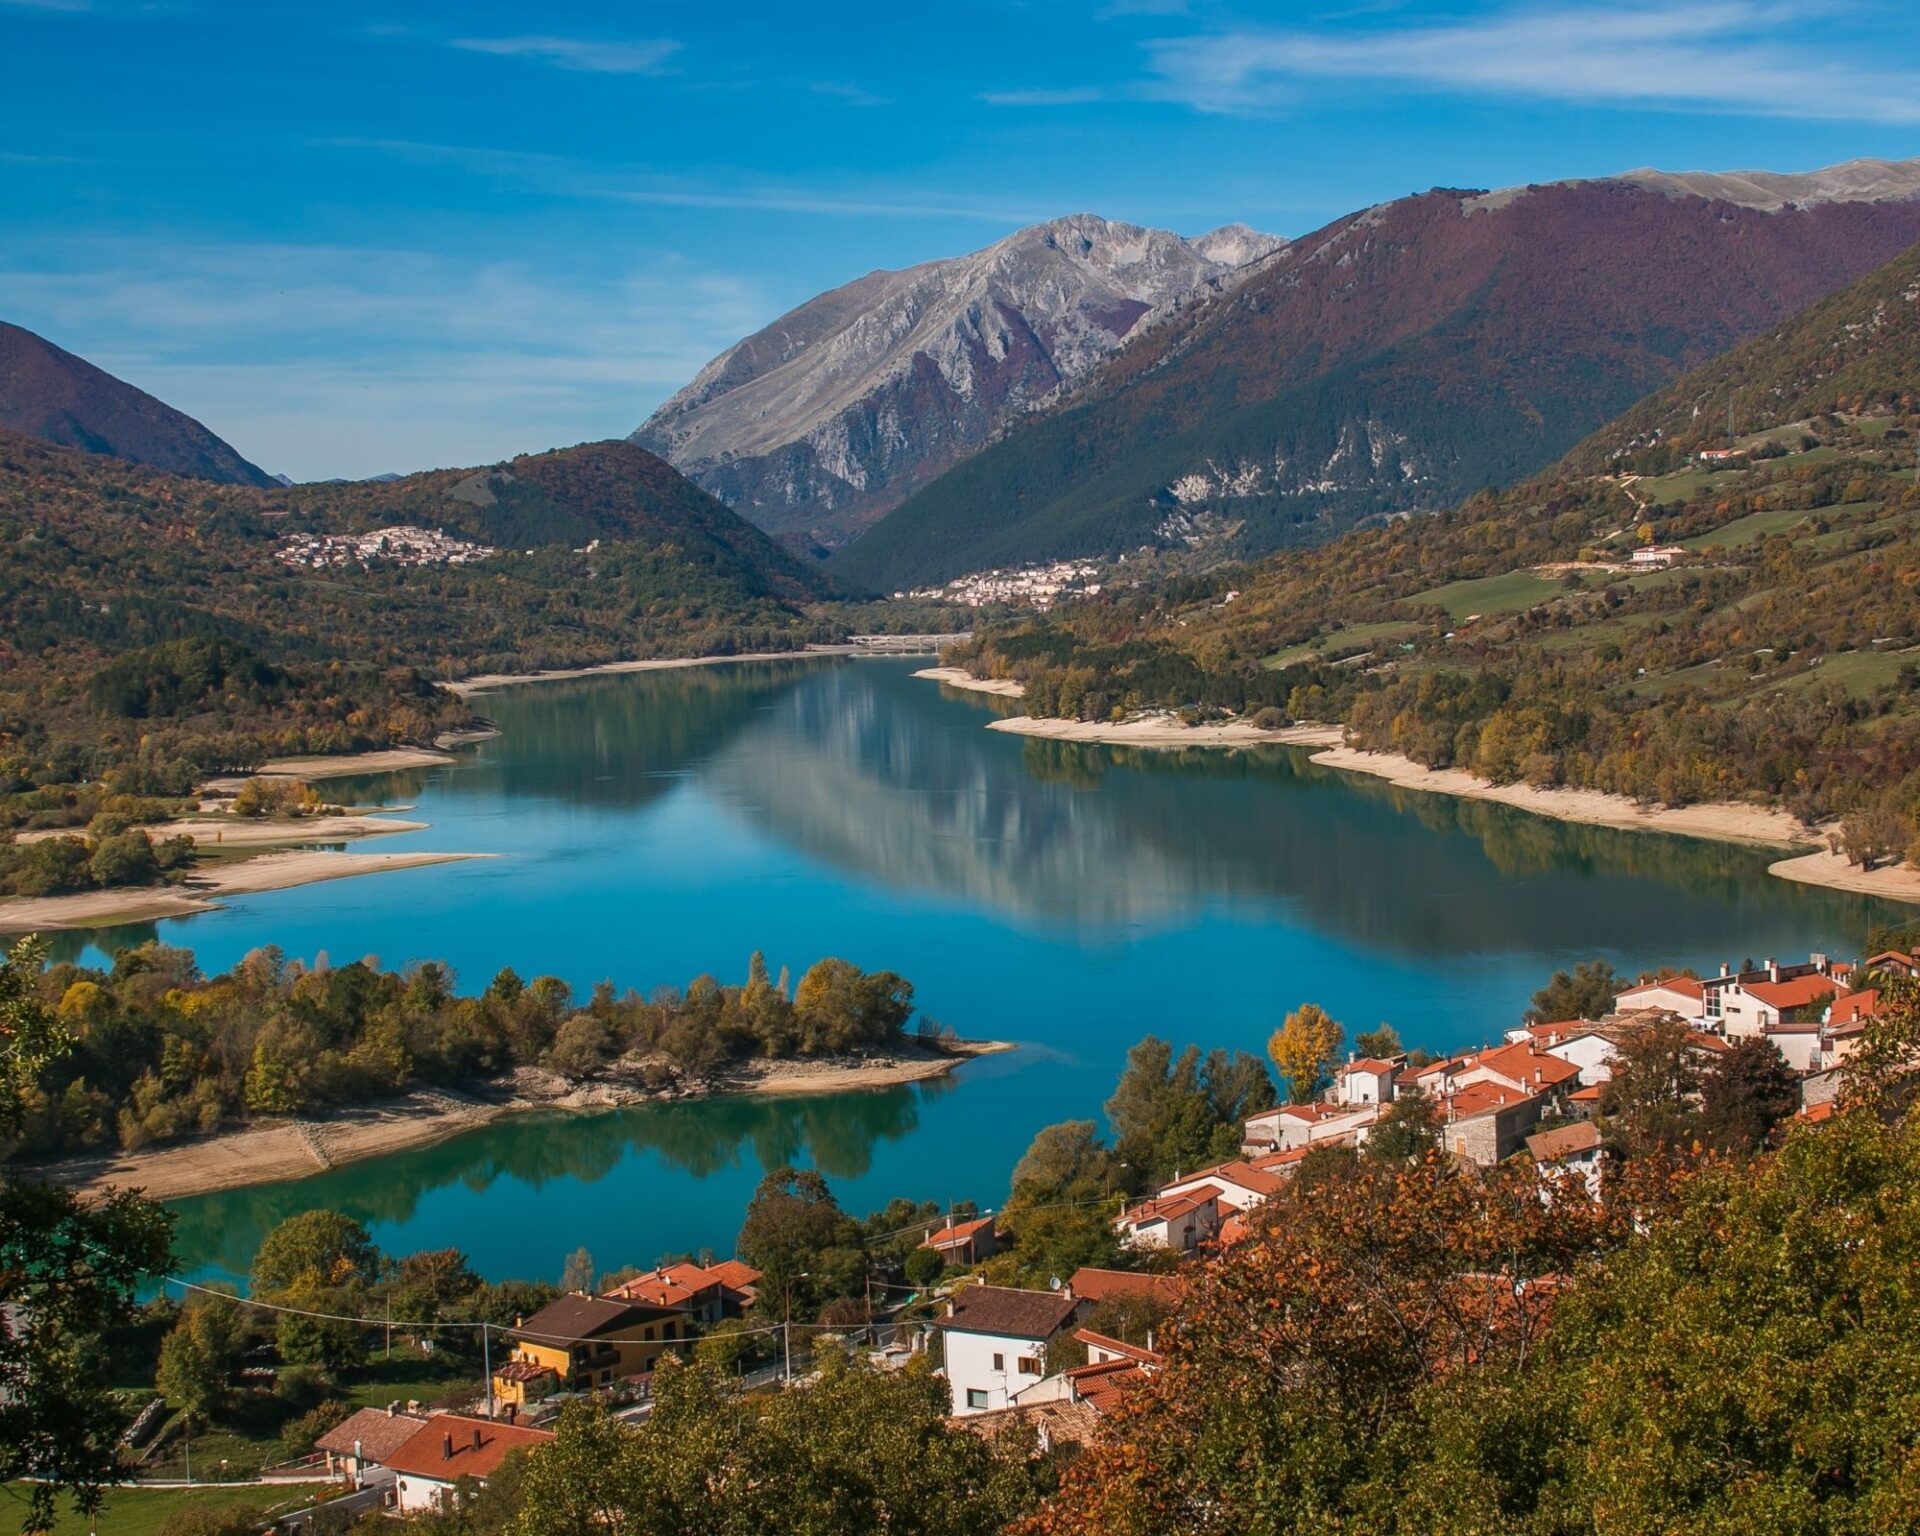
830,416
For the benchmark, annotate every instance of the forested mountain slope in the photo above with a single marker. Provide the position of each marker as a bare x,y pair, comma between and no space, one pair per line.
1773,654
1399,359
140,603
827,418
59,398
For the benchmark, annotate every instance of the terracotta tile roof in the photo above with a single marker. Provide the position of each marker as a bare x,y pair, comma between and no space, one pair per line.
1275,1162
1243,1174
376,1431
1012,1314
1792,994
1307,1113
522,1370
1523,1064
957,1235
1587,1095
1235,1229
1565,1141
575,1319
1543,1035
1171,1207
1060,1422
1482,1099
425,1453
1104,1387
734,1275
1370,1066
1686,986
655,1290
1813,1114
1854,1007
1115,1346
1096,1285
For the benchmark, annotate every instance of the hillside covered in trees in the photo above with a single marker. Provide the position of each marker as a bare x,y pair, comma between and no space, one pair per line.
1400,359
1770,651
160,628
160,1051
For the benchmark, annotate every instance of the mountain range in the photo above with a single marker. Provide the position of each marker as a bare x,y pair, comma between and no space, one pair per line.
823,421
1671,612
50,394
1397,360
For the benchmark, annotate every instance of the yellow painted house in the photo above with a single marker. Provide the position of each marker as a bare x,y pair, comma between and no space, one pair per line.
580,1343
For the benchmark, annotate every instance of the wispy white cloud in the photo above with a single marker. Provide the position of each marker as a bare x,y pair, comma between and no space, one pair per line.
1069,96
854,95
322,360
588,55
563,176
1748,57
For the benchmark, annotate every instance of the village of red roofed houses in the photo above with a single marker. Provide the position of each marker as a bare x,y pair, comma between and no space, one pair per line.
1045,1357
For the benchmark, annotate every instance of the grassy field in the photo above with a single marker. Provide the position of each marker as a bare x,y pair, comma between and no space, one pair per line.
1859,672
1745,530
142,1511
382,1381
1685,484
1352,638
1510,593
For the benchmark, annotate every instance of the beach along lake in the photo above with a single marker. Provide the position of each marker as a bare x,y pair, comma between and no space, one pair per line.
1072,898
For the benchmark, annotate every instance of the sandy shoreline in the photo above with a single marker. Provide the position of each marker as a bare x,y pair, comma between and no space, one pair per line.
350,764
276,1151
1892,882
1168,732
959,677
204,889
1725,822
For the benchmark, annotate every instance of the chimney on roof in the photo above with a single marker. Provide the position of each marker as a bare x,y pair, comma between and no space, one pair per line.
446,1447
393,1409
1773,969
513,1413
1725,969
476,1437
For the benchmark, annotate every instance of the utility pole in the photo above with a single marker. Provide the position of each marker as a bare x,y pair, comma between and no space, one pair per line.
486,1359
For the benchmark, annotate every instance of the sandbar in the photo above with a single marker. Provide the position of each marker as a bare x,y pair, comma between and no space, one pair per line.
1719,821
1890,882
959,677
281,1149
202,890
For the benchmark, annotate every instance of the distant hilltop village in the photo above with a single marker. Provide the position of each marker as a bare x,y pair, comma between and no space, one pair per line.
1035,586
402,544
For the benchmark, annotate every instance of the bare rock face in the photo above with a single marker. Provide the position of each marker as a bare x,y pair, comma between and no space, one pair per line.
50,394
828,418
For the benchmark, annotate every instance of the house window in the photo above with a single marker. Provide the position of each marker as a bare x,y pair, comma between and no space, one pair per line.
999,1362
1027,1365
976,1398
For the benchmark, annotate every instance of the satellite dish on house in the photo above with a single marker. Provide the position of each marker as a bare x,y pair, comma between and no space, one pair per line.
1053,1284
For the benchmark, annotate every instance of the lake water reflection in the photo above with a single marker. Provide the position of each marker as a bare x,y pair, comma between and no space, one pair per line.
1071,898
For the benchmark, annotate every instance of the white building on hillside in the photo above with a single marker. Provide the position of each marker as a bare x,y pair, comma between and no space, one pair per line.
996,1343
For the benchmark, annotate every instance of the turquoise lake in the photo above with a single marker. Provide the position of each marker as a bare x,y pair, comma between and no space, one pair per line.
652,827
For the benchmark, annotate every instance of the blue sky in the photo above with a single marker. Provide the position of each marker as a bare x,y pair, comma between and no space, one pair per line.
358,238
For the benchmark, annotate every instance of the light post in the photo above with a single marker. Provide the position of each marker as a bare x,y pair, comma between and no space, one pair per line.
786,1325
